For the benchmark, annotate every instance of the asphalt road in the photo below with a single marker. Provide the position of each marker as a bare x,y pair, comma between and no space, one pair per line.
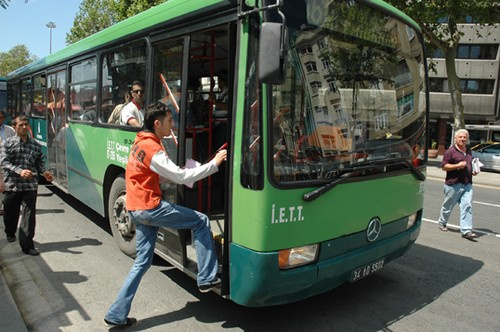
444,283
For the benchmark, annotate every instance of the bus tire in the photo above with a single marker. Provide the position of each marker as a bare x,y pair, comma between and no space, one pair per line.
122,227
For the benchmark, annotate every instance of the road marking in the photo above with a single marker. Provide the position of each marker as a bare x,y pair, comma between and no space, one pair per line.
458,227
487,204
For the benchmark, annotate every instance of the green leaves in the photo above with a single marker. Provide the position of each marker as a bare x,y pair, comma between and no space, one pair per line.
96,15
16,57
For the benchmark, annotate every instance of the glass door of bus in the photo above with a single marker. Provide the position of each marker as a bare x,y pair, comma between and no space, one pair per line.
56,127
189,75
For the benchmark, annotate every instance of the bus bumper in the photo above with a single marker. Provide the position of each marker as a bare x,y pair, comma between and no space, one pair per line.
256,280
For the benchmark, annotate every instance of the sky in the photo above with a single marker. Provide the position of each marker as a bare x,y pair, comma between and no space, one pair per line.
26,23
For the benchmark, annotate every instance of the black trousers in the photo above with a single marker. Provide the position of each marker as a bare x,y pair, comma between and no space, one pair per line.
12,201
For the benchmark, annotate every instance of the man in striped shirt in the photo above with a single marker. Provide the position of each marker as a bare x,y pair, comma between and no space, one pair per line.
22,161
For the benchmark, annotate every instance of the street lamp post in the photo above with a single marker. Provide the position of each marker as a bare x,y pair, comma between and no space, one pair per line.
51,25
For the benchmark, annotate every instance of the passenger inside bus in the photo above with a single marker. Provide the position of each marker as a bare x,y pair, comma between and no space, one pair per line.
132,114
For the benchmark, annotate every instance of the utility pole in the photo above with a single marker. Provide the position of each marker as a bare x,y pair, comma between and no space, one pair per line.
51,25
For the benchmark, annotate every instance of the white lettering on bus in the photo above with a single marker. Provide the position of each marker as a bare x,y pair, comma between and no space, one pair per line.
122,148
286,214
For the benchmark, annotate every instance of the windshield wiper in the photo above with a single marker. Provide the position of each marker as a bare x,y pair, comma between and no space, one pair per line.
311,196
367,165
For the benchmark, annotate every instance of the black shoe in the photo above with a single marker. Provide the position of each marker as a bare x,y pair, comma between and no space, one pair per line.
128,323
208,287
32,252
11,238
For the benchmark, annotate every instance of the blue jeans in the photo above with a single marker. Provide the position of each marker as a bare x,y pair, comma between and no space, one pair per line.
461,194
147,223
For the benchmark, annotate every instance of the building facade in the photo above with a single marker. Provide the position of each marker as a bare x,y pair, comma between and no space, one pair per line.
477,64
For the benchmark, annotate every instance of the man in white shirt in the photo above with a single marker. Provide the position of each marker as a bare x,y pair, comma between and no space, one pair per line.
131,113
5,132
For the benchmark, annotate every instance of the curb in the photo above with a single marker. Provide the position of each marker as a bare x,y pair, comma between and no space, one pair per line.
12,318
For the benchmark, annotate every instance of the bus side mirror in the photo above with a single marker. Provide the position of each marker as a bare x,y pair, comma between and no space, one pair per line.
272,54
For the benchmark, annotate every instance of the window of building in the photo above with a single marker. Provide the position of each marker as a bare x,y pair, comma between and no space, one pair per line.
331,84
321,43
311,66
306,50
315,86
471,86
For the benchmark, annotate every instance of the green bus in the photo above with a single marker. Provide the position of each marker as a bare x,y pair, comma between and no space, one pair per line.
325,124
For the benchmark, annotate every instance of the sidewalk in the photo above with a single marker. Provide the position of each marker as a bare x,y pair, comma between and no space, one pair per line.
12,319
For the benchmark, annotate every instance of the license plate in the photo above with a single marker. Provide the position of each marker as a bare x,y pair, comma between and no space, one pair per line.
366,270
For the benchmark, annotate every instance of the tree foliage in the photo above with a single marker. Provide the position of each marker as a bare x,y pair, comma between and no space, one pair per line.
439,20
96,15
5,3
16,57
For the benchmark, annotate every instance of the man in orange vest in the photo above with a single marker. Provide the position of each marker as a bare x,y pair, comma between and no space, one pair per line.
149,165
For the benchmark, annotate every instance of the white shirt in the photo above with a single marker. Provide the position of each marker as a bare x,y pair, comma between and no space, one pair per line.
6,132
130,111
169,171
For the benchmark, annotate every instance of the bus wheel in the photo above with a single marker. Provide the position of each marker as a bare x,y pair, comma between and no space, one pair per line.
122,227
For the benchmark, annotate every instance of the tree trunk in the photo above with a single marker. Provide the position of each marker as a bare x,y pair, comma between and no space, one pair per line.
455,90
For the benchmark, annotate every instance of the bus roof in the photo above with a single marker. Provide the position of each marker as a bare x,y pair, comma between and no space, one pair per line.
155,16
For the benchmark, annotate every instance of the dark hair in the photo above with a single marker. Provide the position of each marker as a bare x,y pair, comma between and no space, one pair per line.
155,111
19,118
135,83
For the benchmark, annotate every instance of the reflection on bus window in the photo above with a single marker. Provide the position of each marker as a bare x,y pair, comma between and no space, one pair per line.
354,93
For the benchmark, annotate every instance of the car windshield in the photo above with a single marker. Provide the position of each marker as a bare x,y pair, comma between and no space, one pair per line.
354,92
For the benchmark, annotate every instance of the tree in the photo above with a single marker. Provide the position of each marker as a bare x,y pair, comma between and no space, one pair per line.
92,17
16,57
96,15
439,20
5,3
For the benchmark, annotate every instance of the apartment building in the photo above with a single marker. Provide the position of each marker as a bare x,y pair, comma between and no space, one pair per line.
477,64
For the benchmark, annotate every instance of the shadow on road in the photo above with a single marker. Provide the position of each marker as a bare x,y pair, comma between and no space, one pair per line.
402,288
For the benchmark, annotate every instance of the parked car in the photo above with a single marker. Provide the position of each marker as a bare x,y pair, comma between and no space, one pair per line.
488,154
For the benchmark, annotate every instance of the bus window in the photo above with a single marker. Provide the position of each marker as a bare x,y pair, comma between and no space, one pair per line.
251,151
121,67
83,90
38,107
166,86
26,97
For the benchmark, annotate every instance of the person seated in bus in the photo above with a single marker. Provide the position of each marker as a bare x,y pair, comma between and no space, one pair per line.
115,116
131,113
89,114
148,166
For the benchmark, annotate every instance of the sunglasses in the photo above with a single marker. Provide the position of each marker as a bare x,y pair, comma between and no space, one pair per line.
138,91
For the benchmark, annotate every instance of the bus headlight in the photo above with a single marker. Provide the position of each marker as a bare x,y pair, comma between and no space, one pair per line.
294,257
412,219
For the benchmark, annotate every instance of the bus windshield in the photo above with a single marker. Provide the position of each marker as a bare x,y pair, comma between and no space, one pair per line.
354,92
